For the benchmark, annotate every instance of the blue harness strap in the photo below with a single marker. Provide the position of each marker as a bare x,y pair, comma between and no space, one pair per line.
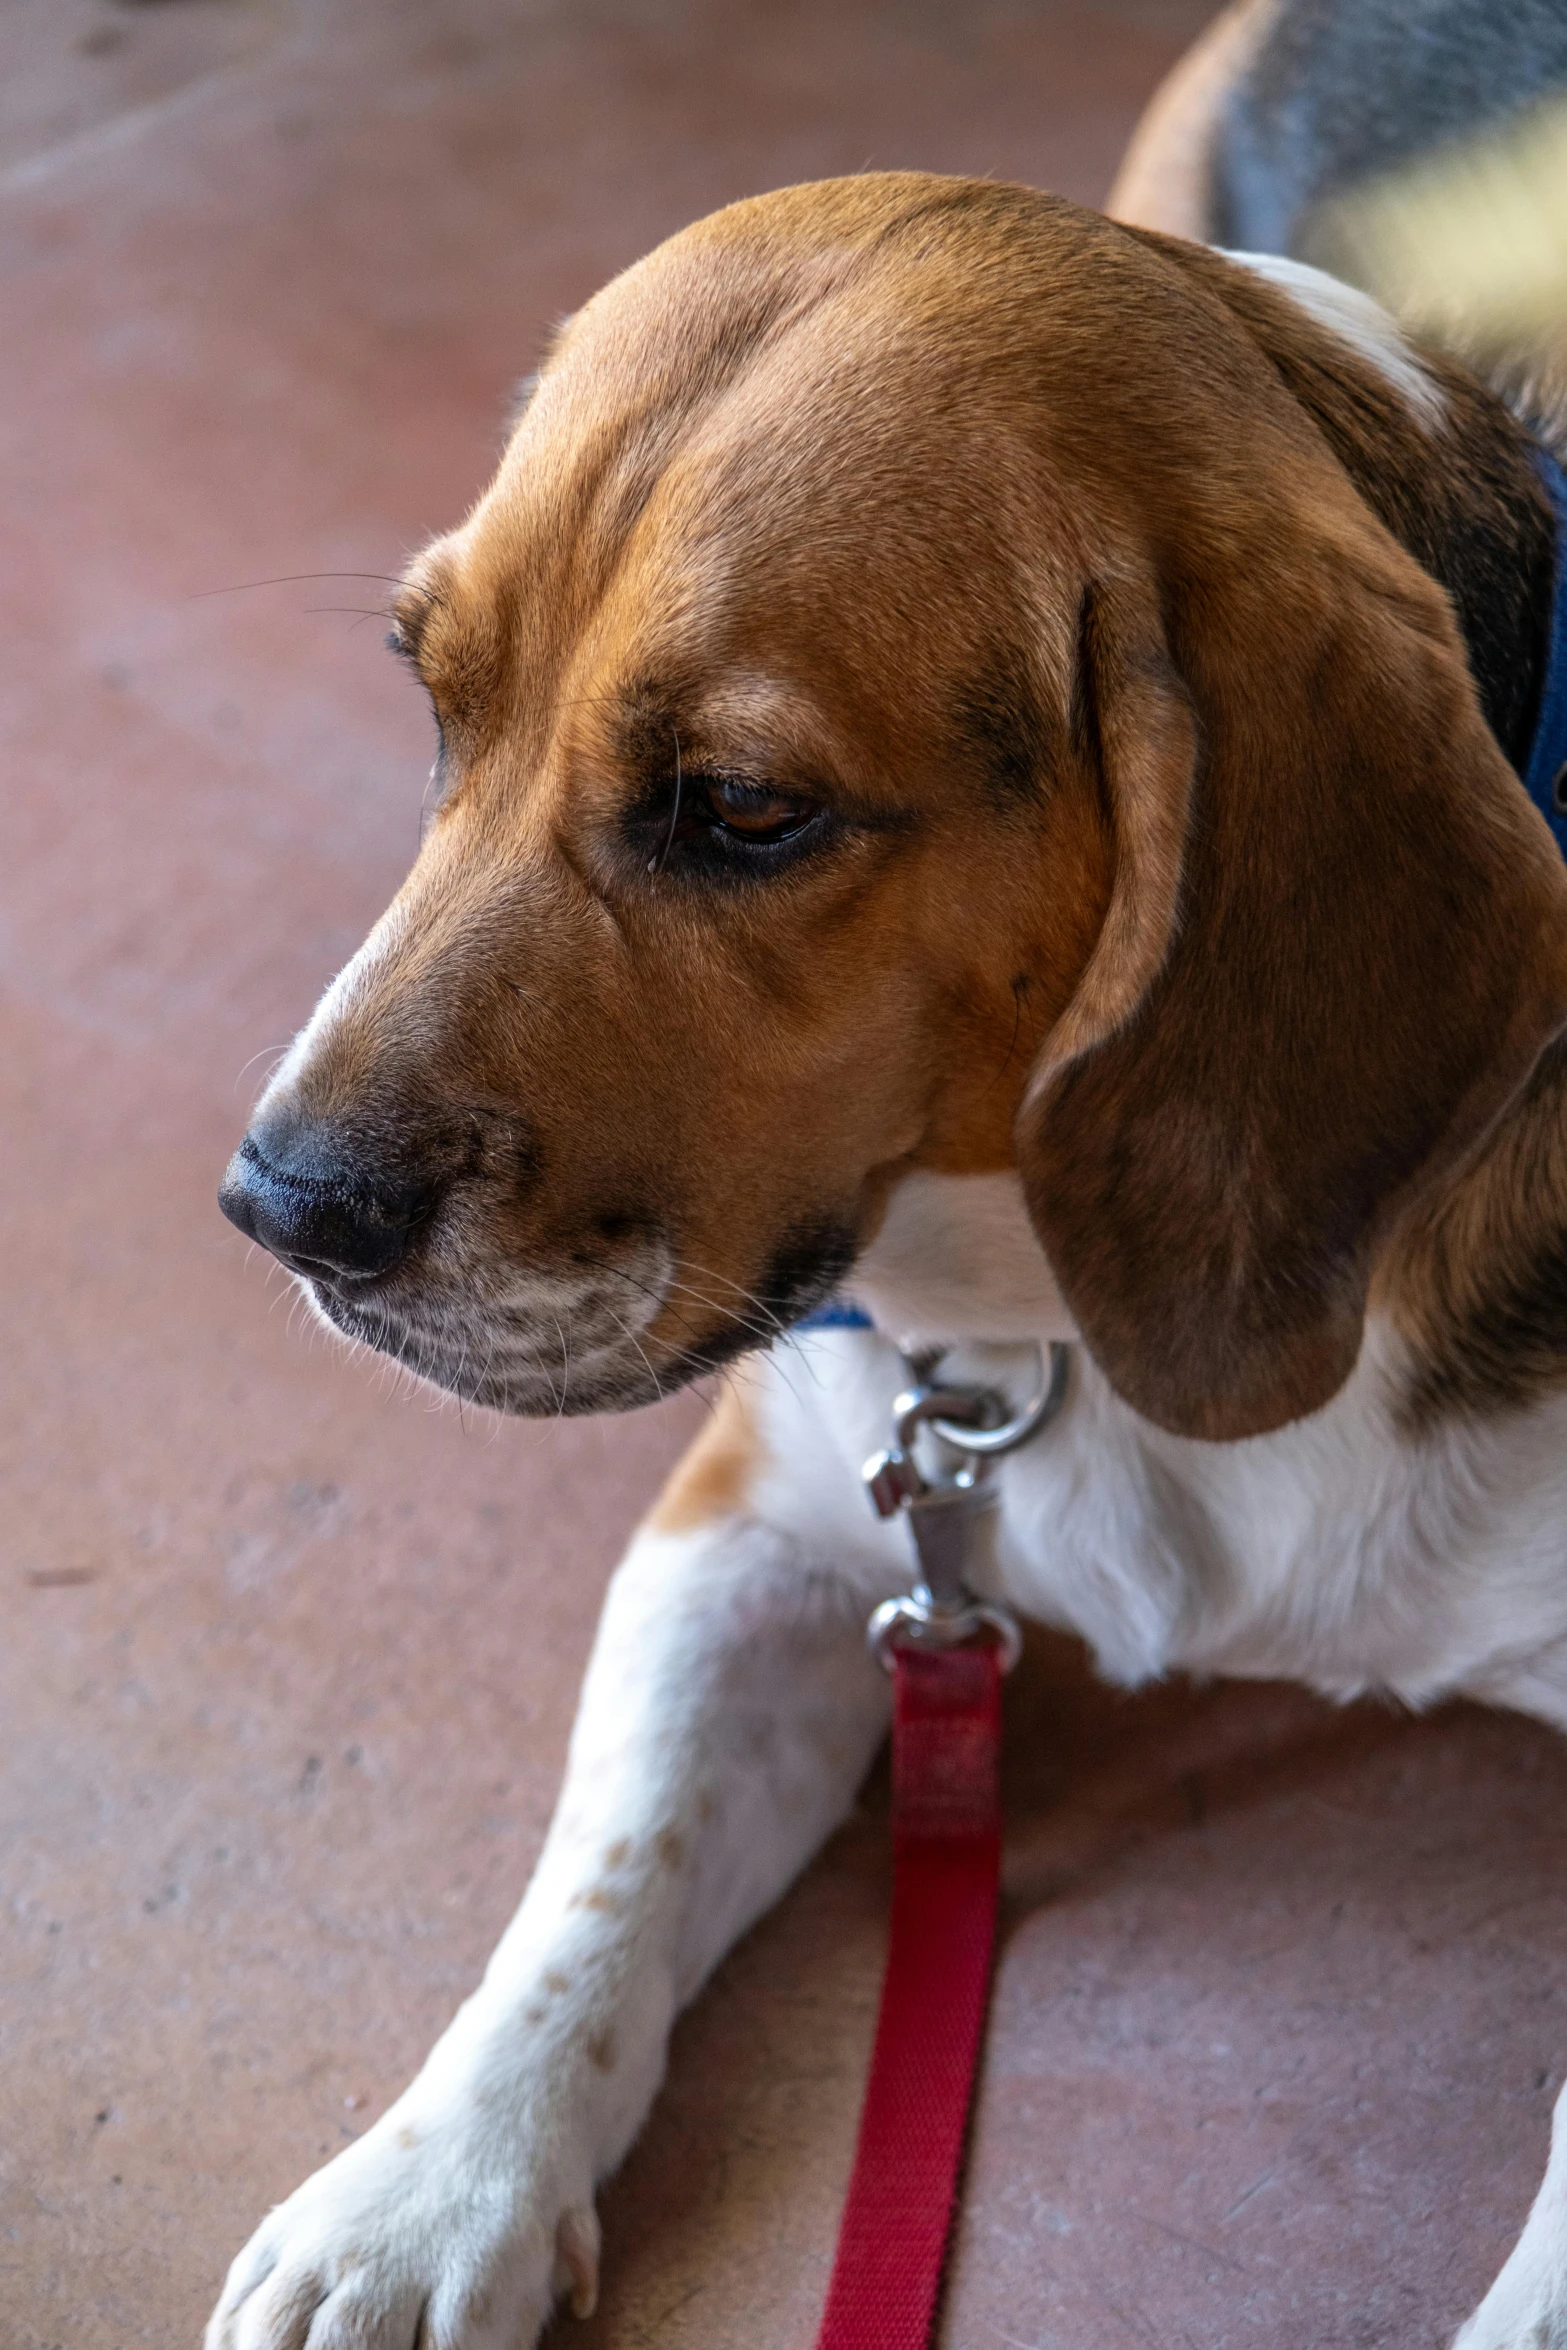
1545,776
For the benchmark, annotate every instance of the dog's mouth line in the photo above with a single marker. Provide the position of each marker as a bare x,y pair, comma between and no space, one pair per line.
541,1347
596,1316
539,1342
565,1380
557,1366
576,1334
566,1374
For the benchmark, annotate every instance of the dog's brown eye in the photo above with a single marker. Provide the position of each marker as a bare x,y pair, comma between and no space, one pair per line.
754,812
722,828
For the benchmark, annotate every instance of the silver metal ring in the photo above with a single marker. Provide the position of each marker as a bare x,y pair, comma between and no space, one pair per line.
926,1626
986,1443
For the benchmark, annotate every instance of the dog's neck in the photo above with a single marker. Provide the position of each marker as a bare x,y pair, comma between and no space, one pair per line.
1476,1278
1461,490
1445,462
1468,503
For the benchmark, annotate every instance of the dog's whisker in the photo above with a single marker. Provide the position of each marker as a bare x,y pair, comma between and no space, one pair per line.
637,1343
771,1328
707,1272
565,1361
462,1362
276,1050
289,579
559,1395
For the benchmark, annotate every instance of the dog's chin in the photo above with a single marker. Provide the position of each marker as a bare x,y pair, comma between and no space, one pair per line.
523,1376
526,1375
566,1350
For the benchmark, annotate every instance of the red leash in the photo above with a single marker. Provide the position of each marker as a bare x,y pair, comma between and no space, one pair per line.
946,1826
946,1648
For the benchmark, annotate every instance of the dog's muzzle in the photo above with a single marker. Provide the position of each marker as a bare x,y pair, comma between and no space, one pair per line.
399,1254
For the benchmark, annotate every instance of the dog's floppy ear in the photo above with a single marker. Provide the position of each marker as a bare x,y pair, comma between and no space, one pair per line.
1336,941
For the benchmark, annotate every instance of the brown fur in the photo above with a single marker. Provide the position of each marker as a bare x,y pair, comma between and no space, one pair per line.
1059,565
1479,1286
713,1477
1465,499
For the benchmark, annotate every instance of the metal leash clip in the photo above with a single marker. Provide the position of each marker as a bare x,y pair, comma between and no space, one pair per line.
944,1511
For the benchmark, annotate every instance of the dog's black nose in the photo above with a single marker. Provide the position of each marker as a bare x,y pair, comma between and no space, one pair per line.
320,1210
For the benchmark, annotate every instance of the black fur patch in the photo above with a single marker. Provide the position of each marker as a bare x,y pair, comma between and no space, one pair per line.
1004,730
1481,524
808,1264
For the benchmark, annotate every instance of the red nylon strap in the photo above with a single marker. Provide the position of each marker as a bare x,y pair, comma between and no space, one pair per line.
946,1822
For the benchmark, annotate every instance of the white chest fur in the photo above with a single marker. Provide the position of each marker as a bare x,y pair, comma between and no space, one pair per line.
1335,1550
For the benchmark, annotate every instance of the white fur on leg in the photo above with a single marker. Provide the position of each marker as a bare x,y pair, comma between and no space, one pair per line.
1526,2308
728,1715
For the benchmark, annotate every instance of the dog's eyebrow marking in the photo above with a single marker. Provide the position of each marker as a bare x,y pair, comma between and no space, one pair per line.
644,720
1003,722
744,726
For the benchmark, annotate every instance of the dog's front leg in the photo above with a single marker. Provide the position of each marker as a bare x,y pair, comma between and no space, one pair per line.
1526,2308
729,1712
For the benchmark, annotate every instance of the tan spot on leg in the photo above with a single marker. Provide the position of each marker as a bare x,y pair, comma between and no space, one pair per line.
714,1478
671,1848
616,1852
556,1981
408,2137
290,2306
577,2254
601,2048
595,1898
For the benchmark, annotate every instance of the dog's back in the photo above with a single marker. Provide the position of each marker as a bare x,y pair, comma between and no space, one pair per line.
1339,91
1415,148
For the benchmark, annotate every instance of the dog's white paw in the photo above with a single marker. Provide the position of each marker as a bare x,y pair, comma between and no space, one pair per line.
435,2234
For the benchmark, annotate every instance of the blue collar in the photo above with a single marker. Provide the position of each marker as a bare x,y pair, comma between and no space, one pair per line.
1545,776
839,1313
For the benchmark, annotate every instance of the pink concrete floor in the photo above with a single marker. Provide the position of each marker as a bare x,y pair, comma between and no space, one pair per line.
290,1655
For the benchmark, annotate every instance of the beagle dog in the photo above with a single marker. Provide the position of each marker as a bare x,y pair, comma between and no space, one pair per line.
980,756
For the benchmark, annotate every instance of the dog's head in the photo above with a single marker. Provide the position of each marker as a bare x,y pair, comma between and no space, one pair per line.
918,694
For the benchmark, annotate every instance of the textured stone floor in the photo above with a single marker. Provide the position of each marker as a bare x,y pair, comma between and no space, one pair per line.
288,1655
